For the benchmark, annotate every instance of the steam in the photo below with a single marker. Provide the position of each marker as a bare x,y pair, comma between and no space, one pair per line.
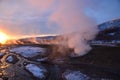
75,19
75,24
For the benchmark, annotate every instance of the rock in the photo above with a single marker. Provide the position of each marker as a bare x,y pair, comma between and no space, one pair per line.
36,71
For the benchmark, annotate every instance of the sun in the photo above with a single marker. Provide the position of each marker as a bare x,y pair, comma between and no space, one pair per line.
3,37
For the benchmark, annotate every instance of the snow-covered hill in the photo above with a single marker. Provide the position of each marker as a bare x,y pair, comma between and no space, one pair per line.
109,34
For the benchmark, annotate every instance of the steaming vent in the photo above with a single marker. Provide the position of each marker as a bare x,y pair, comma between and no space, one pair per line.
79,44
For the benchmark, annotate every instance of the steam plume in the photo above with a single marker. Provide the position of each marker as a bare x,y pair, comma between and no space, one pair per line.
75,24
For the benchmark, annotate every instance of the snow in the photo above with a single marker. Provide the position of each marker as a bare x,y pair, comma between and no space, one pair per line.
42,59
10,58
112,43
38,72
75,75
110,24
28,51
111,34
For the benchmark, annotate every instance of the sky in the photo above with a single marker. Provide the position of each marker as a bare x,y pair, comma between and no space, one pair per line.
34,17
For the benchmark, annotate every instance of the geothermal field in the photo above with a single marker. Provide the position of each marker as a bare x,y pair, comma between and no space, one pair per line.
51,57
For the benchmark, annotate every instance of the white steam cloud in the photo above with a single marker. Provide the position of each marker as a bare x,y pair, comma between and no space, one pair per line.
76,24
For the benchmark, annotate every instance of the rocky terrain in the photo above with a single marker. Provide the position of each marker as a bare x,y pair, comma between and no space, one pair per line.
44,58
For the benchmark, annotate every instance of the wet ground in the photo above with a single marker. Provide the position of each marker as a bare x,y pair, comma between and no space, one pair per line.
40,62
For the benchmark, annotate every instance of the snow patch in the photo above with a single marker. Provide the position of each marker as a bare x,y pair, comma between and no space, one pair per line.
75,75
111,43
10,58
42,59
37,71
109,24
28,51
